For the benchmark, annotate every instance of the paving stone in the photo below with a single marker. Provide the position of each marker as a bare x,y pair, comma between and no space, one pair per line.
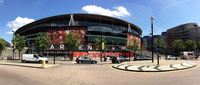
165,68
134,68
149,68
179,66
122,66
28,65
190,64
115,65
155,68
185,64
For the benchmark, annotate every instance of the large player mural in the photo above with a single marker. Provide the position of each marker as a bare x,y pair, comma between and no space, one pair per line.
133,40
58,35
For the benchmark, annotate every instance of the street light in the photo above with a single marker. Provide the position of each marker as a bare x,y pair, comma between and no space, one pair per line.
13,44
152,18
158,49
13,50
141,42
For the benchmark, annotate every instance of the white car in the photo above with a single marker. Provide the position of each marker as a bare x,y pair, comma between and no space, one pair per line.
33,58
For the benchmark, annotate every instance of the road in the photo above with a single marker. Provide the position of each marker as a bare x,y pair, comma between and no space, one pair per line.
94,75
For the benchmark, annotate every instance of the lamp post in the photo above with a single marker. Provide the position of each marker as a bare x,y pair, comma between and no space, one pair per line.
101,47
158,56
152,48
13,50
141,43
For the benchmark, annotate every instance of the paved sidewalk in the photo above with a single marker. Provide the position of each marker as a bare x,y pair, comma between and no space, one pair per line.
37,65
154,68
31,65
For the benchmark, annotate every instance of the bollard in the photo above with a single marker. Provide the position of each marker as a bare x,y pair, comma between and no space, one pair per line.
43,63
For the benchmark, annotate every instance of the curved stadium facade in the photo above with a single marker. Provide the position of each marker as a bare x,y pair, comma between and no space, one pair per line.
117,33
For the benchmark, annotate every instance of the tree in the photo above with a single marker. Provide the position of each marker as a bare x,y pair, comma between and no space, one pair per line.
133,46
178,46
20,43
72,43
159,43
42,41
198,45
98,42
103,42
2,45
190,45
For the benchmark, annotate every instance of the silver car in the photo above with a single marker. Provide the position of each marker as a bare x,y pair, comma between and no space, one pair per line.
170,57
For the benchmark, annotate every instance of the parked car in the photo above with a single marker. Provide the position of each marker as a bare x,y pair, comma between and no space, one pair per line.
170,57
33,58
119,59
123,59
114,59
142,57
85,60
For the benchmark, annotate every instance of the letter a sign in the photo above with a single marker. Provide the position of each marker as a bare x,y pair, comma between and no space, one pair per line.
52,47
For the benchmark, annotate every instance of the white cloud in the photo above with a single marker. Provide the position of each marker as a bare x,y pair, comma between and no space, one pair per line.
119,11
17,23
9,32
1,1
174,3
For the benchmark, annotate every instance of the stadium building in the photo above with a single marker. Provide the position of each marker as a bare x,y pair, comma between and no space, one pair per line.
117,33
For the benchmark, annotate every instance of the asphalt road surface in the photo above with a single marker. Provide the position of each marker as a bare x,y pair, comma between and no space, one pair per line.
87,74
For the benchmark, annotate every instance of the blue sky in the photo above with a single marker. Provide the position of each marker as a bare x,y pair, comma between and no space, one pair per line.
167,13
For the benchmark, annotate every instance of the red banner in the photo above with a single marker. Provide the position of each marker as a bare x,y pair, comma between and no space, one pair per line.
93,54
